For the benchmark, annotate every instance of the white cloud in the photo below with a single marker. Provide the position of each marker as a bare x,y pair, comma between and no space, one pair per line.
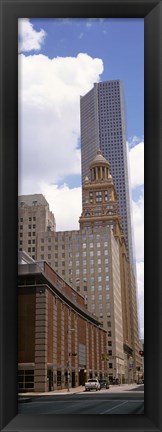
65,203
140,296
138,223
136,156
29,39
81,35
89,23
49,115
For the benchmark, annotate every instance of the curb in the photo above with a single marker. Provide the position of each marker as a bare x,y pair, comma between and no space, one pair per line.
24,399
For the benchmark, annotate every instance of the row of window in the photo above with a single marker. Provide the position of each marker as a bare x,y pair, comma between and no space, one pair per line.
30,219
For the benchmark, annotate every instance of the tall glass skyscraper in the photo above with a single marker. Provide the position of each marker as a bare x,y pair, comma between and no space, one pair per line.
103,126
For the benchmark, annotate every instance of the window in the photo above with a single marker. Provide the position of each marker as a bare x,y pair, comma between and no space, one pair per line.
42,248
99,278
109,333
109,323
25,379
58,378
107,296
100,297
84,245
110,366
109,343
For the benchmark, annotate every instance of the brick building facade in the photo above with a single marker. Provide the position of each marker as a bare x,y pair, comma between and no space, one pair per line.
60,343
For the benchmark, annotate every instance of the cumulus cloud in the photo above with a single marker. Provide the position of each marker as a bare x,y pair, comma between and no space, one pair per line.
49,115
65,203
140,296
138,223
136,156
29,39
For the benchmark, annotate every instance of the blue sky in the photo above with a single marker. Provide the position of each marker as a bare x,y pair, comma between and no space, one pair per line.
59,60
120,44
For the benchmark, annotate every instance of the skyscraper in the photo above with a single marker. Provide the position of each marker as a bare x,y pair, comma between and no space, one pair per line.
103,125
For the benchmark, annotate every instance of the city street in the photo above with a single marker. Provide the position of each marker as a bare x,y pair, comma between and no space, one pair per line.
111,401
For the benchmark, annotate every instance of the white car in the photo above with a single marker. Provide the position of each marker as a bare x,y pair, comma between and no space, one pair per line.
92,384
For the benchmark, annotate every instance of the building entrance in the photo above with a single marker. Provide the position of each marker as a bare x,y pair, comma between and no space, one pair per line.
81,377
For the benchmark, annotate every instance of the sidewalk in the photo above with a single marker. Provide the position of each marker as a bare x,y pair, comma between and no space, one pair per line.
79,389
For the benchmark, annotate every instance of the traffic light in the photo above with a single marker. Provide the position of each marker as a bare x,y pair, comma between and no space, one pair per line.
141,353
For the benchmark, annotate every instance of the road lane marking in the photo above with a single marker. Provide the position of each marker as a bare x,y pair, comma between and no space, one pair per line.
116,406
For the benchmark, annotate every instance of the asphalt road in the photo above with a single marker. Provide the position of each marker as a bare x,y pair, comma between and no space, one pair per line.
103,402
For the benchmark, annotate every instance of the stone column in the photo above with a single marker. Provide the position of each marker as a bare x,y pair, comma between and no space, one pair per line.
41,321
62,346
93,368
87,349
97,350
55,342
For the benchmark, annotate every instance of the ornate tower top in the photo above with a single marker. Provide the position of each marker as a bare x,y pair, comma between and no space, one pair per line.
99,198
99,168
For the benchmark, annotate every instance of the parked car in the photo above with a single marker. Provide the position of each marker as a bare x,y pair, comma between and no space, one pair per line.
92,384
104,383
